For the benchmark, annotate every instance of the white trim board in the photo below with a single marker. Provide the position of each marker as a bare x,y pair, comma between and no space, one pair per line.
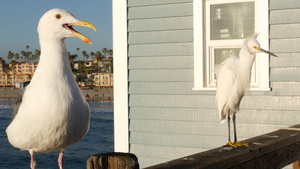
121,132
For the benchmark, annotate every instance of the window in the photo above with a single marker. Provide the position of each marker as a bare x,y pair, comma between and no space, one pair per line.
220,27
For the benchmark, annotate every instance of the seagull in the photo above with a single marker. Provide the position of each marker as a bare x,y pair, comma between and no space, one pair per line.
51,112
233,79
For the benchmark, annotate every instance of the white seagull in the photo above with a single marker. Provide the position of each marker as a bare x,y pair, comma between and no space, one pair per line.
51,112
233,79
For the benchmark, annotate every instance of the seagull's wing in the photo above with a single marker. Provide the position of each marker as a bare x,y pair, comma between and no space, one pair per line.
18,103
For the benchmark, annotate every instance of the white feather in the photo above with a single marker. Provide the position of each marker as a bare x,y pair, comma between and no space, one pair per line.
53,113
233,79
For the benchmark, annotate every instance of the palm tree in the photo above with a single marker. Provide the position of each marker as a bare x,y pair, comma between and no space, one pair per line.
84,54
37,54
87,57
104,51
26,56
81,68
12,68
10,55
110,52
78,52
92,54
72,58
17,56
98,56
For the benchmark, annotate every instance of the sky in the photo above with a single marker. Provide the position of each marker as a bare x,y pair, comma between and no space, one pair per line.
19,20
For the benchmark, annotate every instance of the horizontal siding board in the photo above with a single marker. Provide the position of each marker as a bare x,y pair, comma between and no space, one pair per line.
286,4
285,45
196,129
132,3
170,49
285,60
262,117
174,114
175,140
173,36
208,102
161,24
165,151
284,16
160,11
170,62
285,74
286,88
285,31
182,101
161,88
167,75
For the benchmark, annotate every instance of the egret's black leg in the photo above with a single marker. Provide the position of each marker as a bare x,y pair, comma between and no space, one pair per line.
234,127
228,120
238,144
229,142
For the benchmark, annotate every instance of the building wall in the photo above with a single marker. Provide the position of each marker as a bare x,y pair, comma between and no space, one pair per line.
167,119
22,72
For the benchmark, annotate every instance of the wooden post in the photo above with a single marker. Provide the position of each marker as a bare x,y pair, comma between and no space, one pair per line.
296,165
113,161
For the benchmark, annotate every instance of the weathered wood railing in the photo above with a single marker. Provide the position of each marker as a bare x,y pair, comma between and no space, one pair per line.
273,150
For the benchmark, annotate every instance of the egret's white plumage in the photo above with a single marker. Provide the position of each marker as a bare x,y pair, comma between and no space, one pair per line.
233,79
52,113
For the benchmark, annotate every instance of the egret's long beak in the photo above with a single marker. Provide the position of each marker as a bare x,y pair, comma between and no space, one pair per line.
79,35
270,53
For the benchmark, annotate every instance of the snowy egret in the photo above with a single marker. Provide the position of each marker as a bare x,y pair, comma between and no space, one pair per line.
233,79
51,113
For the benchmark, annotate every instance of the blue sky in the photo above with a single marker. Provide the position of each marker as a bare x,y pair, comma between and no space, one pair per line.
19,20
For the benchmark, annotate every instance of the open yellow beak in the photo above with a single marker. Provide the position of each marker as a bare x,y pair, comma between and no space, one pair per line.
79,35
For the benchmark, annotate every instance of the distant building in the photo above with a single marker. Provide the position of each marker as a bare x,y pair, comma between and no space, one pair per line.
21,74
105,65
18,76
95,80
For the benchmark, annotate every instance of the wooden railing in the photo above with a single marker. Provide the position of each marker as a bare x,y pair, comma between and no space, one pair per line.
273,150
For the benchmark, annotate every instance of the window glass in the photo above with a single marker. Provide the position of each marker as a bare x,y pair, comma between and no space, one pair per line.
232,20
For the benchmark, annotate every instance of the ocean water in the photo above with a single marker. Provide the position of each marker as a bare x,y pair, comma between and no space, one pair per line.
100,139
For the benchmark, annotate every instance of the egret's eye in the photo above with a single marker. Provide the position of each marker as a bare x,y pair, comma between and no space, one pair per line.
58,16
255,47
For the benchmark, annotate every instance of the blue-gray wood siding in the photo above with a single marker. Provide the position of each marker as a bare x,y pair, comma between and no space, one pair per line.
167,118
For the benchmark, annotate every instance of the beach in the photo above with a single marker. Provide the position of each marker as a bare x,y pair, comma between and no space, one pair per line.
105,95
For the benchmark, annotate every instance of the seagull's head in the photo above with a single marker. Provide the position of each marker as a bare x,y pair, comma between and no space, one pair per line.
57,23
253,46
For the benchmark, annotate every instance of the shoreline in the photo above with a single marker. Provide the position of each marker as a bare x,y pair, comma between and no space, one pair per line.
105,95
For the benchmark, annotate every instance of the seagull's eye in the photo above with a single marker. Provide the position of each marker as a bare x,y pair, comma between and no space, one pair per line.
58,16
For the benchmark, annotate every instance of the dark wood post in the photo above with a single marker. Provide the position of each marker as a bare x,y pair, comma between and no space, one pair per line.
113,161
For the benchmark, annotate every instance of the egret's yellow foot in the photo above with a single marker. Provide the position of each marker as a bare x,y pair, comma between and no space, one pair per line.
231,144
238,144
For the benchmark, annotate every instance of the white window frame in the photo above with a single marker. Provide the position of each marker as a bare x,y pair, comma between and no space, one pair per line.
262,60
